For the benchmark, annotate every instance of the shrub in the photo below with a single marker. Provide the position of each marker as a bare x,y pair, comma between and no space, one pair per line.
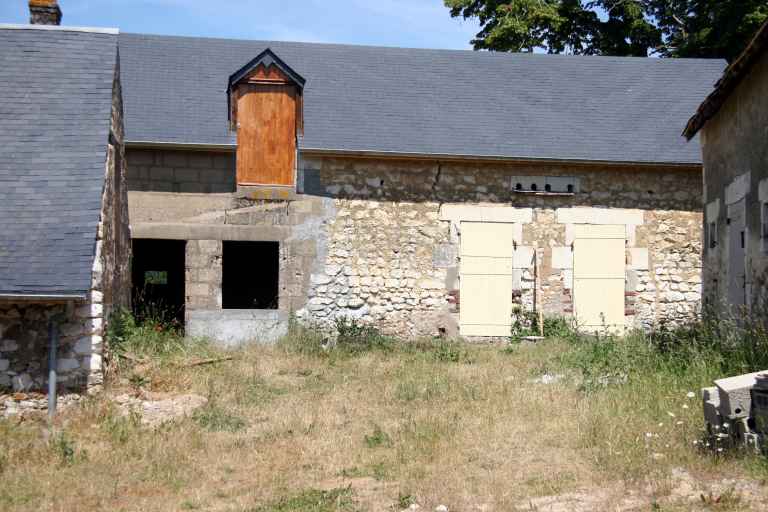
354,336
313,500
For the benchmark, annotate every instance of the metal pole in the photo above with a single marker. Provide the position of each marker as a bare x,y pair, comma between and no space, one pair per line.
53,339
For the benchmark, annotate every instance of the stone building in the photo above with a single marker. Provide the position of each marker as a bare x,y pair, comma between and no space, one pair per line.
421,190
733,126
64,240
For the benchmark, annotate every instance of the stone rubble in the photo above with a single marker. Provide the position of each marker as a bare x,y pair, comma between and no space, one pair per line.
25,404
158,409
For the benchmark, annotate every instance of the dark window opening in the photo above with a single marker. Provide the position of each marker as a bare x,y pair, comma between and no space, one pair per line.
158,277
519,186
570,189
548,188
534,187
250,273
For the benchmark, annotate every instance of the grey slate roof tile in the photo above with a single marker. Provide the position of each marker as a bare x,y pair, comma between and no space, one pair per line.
55,111
360,98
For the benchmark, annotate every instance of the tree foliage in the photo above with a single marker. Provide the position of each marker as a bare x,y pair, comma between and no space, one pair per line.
668,28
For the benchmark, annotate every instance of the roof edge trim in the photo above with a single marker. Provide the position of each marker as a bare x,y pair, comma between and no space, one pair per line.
137,144
41,297
494,158
93,30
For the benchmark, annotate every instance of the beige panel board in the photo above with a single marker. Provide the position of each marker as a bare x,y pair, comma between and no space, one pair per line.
598,302
485,330
599,231
599,258
484,265
485,301
487,239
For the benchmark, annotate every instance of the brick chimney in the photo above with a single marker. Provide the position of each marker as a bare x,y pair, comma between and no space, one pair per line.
44,12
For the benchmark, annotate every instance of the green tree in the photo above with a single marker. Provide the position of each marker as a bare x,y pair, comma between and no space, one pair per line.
669,28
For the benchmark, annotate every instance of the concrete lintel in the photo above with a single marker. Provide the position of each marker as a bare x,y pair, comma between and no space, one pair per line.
591,215
178,231
485,213
738,188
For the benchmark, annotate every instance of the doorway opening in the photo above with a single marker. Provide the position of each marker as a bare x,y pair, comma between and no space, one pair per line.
250,275
159,281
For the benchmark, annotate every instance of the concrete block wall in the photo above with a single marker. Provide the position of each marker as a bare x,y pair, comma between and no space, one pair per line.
181,171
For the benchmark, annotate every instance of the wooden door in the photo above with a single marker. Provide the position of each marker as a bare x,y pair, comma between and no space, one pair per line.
599,275
266,135
487,250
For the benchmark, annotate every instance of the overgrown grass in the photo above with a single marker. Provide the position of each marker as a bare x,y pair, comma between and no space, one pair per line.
347,418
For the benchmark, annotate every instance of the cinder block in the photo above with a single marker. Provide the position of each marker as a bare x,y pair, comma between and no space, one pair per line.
735,400
175,159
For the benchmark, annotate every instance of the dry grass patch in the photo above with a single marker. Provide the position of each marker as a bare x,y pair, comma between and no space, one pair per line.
295,427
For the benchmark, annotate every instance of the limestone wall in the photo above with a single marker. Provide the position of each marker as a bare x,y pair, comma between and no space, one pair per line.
392,247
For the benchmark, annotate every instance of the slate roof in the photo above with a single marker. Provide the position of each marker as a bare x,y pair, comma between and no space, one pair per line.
55,110
428,102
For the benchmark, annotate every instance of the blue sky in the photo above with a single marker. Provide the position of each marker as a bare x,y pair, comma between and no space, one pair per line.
411,23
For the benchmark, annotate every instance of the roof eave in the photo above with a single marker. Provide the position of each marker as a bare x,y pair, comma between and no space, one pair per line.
732,77
41,297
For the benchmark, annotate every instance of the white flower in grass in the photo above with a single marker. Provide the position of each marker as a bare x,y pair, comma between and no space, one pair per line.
661,424
648,435
695,443
685,406
691,394
671,414
679,423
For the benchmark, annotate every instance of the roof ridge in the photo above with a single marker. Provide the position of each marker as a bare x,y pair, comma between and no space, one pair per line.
62,28
497,54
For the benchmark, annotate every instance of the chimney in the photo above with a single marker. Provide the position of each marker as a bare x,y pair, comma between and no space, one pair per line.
44,12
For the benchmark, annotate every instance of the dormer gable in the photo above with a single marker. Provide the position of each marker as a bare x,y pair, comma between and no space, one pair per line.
266,110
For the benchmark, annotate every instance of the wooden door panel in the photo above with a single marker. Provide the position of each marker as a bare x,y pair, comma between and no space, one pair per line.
266,135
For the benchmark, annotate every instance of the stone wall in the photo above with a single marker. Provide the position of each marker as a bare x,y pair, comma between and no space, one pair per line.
378,239
393,248
181,171
735,169
24,345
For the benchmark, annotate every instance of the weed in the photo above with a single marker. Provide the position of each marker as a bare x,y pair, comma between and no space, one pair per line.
313,500
190,505
64,448
119,428
353,336
217,419
405,500
377,438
